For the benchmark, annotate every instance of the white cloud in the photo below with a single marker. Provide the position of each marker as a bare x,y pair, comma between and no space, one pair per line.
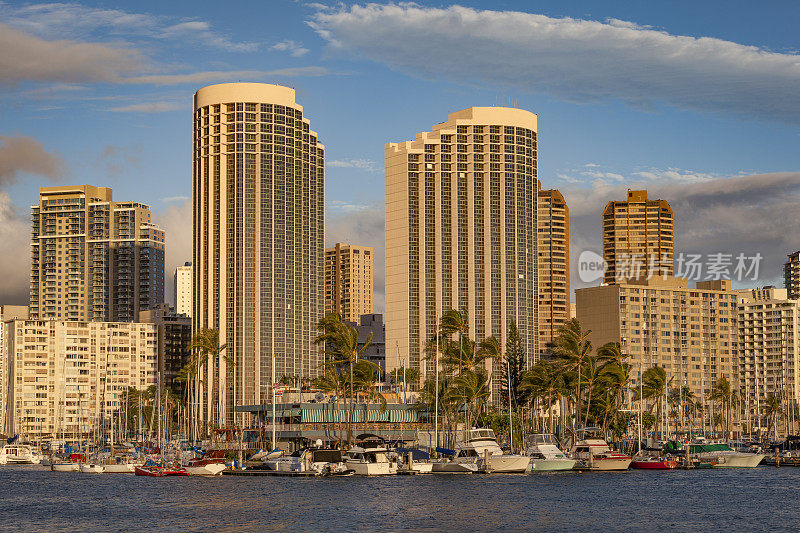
222,75
175,199
24,155
294,48
176,221
73,20
578,60
361,164
149,107
15,249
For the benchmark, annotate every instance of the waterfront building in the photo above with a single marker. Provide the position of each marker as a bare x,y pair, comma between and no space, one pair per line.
376,351
258,200
769,353
791,276
67,378
553,257
7,312
174,335
691,332
348,281
461,232
637,238
183,289
93,258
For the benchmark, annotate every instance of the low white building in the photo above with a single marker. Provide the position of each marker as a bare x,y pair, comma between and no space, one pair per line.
65,379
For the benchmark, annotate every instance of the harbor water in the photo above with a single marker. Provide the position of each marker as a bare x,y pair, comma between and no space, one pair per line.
33,498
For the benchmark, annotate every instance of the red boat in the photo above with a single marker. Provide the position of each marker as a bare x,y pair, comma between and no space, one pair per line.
159,471
652,463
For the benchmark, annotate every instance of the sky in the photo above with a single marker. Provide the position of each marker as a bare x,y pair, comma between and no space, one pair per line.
698,102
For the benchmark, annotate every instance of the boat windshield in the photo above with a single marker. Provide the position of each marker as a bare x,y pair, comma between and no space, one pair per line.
327,456
481,434
542,438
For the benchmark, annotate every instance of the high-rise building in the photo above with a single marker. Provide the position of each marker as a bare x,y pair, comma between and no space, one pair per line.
691,333
376,351
258,195
769,353
174,335
93,258
461,232
183,289
7,312
554,294
348,281
637,238
66,379
791,276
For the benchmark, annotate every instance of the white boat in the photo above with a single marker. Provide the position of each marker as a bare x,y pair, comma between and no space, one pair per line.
481,444
210,469
594,453
119,468
721,455
545,455
65,467
446,466
321,461
370,459
92,468
19,454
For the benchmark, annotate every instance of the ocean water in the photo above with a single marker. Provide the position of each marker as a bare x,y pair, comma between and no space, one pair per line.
33,498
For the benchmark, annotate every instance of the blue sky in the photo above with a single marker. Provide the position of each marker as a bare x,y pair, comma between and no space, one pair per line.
698,102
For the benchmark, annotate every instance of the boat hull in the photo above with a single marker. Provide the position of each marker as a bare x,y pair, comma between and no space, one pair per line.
610,464
654,465
744,460
453,468
508,464
65,467
371,469
124,468
213,469
90,468
552,465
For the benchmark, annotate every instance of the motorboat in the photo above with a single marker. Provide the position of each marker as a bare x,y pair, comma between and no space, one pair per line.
57,466
723,456
480,448
412,461
594,453
370,458
653,463
545,455
159,471
91,468
19,454
205,467
320,461
447,466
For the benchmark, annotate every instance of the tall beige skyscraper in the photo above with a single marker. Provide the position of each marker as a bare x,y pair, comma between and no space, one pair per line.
554,295
258,194
183,289
93,258
348,281
461,231
637,238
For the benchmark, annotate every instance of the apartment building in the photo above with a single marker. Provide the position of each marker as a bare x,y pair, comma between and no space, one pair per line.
183,289
67,378
769,352
461,232
7,312
791,276
174,335
259,271
348,281
93,258
553,257
637,238
691,332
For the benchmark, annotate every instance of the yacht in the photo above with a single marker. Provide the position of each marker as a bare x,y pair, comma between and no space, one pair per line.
481,444
19,454
370,459
594,453
65,466
721,455
321,461
545,455
92,468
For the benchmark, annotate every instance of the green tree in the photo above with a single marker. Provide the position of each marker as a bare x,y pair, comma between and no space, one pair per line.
513,372
571,349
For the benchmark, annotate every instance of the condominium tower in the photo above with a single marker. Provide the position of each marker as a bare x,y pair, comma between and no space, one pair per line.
93,258
637,238
258,195
7,312
183,289
348,281
553,257
690,332
461,231
791,276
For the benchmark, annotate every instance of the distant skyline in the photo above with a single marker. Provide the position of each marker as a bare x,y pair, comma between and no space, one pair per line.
697,103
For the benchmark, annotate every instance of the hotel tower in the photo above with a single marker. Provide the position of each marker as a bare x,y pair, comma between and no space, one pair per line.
461,232
258,187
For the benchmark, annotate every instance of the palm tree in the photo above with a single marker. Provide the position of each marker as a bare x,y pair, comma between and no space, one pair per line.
341,343
654,387
722,392
542,382
772,408
571,349
471,388
453,322
206,345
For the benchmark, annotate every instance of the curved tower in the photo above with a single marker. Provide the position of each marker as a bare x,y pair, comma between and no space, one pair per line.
258,195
